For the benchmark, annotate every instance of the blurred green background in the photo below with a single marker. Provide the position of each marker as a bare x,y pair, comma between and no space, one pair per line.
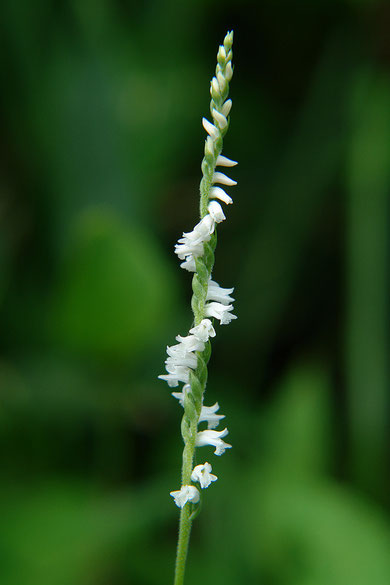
101,143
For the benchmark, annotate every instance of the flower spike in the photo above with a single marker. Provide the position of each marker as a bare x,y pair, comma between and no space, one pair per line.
186,361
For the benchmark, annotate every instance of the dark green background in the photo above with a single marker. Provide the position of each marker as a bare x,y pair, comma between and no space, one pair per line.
101,143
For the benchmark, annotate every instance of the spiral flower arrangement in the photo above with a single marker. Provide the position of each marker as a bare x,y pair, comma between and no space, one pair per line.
187,360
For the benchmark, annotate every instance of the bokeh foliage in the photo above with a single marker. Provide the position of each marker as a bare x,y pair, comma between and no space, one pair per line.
101,144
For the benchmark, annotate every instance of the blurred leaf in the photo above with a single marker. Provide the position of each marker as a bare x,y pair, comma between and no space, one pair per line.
317,534
114,289
68,534
300,183
368,276
297,431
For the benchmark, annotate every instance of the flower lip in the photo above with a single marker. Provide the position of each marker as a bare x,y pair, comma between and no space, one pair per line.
210,129
187,493
219,294
216,212
208,414
213,438
203,475
219,193
224,161
220,311
223,179
204,330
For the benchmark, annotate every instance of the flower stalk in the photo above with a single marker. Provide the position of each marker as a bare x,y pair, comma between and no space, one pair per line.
187,360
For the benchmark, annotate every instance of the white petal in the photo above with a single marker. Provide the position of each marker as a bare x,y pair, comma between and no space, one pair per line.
223,179
209,146
223,161
220,312
215,210
221,81
189,264
208,414
222,52
218,193
203,475
204,330
181,395
175,359
219,118
215,86
185,249
210,129
187,493
229,71
219,294
173,378
213,438
227,106
190,343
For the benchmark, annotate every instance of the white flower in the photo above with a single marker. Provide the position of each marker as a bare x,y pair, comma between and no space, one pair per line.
190,343
208,414
190,245
213,438
189,264
201,474
218,193
173,379
223,179
204,330
210,129
223,161
181,395
216,212
221,53
201,232
229,71
187,493
187,248
227,106
220,312
221,81
219,294
176,374
214,87
177,359
209,146
220,119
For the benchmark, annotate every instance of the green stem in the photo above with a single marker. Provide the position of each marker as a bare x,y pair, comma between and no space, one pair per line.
182,544
198,379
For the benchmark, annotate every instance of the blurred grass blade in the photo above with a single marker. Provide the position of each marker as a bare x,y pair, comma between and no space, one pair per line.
301,182
367,341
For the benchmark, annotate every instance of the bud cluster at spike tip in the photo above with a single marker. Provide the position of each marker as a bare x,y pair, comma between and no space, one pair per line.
182,361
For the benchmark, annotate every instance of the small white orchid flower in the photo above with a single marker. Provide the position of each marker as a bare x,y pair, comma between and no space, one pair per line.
202,475
190,343
213,438
210,129
208,414
189,264
223,161
220,119
227,106
187,493
215,210
204,330
223,179
175,375
218,193
221,312
181,395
